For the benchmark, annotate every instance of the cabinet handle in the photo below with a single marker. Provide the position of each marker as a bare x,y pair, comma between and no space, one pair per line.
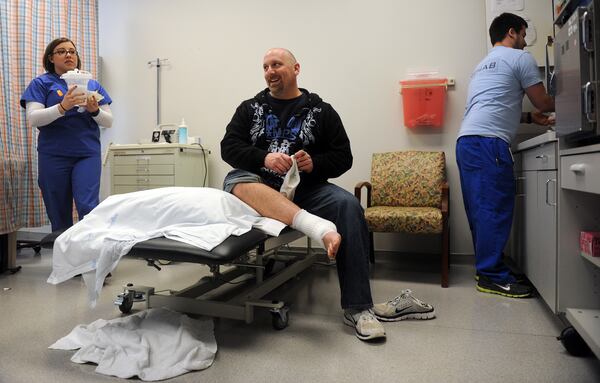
577,168
548,190
541,156
588,108
518,182
585,38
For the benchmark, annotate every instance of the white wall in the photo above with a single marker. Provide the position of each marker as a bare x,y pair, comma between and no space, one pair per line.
352,53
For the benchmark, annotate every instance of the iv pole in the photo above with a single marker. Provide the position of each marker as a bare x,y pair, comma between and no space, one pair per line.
157,63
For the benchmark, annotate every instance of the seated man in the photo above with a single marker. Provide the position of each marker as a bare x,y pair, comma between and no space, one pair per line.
260,140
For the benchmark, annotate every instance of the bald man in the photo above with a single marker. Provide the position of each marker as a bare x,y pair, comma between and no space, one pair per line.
283,128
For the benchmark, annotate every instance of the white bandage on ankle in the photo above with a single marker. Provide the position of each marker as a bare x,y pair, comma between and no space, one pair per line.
311,225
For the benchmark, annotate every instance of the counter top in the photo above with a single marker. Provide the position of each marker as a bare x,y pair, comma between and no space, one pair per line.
161,145
549,136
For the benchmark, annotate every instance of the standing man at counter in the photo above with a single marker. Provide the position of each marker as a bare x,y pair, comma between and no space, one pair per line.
492,116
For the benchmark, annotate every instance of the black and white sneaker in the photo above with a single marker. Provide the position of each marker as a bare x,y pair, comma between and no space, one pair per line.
511,290
366,326
520,278
404,306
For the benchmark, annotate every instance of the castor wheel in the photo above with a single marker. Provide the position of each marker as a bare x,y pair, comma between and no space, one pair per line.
280,318
573,342
127,304
37,249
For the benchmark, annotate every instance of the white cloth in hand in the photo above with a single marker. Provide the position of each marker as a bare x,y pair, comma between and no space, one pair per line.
291,181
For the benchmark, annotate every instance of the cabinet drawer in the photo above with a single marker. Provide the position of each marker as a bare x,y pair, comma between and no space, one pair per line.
581,172
154,159
144,180
121,189
143,169
540,158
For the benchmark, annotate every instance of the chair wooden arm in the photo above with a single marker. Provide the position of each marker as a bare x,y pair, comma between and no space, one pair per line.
445,200
357,191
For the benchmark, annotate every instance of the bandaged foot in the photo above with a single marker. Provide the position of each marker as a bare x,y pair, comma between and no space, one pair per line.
318,229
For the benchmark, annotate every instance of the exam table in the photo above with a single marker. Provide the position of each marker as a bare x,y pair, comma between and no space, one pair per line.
245,263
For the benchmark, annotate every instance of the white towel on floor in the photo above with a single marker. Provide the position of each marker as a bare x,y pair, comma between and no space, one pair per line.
202,217
154,344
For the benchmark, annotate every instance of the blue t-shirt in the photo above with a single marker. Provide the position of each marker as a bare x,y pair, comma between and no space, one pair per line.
74,134
496,91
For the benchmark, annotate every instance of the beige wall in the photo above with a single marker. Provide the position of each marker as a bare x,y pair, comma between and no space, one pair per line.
352,53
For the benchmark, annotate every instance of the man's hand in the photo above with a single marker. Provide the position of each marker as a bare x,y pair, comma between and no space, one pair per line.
278,162
304,161
540,118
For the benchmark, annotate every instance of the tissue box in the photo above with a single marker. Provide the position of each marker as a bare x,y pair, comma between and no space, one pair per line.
589,243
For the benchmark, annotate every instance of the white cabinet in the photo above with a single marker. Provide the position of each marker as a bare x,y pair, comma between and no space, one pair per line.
535,226
579,210
150,166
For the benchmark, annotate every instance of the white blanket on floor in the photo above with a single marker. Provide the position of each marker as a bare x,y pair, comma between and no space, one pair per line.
155,344
202,217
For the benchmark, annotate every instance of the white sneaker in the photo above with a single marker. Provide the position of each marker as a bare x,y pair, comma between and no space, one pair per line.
365,324
404,306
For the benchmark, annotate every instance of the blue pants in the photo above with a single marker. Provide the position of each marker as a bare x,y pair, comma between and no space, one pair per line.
64,179
335,204
488,187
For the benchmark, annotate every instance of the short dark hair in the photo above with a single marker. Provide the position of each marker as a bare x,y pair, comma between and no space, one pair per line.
48,65
502,24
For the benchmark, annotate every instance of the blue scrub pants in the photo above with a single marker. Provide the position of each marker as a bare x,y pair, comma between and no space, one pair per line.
488,188
64,179
337,205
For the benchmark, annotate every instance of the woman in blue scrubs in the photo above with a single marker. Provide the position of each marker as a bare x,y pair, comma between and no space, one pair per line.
69,160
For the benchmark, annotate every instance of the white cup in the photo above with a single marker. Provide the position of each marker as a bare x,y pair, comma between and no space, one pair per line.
79,79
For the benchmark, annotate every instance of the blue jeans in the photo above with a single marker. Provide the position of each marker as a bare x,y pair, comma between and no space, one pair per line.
488,188
335,204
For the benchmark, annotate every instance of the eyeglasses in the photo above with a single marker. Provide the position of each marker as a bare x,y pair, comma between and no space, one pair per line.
62,52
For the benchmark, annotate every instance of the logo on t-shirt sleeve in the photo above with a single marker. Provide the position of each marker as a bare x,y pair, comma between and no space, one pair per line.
59,92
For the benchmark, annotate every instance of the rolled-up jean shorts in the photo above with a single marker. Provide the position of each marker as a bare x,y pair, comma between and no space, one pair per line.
239,176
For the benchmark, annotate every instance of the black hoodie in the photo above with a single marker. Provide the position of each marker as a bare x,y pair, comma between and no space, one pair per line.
254,132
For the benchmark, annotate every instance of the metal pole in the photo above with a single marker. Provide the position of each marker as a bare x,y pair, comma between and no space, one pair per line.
157,91
158,65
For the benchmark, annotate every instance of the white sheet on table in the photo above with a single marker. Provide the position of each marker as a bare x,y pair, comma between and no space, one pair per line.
153,344
202,217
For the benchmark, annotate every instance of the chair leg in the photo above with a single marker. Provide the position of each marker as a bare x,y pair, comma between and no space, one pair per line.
371,248
445,255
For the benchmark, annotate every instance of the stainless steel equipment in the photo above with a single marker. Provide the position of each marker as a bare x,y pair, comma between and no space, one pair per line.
577,74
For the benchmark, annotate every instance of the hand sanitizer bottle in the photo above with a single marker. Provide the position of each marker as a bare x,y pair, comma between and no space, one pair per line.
182,132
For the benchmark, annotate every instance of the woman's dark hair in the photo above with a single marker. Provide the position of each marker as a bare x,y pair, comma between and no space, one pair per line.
48,65
502,24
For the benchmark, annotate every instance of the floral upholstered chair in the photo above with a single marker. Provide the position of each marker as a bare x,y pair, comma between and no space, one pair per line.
408,193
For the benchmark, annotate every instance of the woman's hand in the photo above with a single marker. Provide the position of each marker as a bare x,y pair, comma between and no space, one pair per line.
72,99
91,105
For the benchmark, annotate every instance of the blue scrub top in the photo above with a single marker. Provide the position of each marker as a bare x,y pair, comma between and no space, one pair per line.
74,134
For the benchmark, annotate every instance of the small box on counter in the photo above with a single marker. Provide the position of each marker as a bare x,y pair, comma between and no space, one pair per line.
589,243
